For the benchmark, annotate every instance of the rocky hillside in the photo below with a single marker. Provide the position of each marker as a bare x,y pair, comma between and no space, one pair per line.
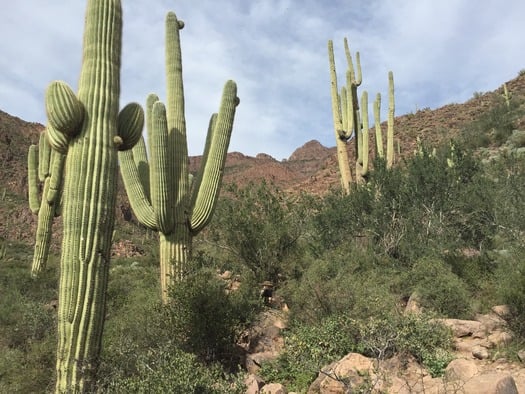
311,168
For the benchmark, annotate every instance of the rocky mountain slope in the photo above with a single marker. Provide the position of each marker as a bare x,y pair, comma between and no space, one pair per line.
311,168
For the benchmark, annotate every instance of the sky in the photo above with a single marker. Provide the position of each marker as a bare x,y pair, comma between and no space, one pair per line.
440,52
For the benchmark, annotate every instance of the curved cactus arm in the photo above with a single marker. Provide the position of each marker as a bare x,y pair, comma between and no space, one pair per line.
207,185
32,179
53,195
357,77
135,188
43,233
130,125
351,107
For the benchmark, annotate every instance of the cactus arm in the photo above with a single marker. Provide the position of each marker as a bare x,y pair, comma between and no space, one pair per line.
135,189
55,180
377,123
44,157
43,233
32,178
160,167
365,133
208,183
390,122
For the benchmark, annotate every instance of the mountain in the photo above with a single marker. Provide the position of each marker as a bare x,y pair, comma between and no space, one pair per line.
311,168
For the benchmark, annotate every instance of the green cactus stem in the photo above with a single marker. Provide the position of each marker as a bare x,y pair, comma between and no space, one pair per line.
506,95
159,184
364,136
377,124
87,127
390,122
45,166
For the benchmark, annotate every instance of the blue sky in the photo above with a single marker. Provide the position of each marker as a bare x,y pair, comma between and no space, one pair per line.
276,50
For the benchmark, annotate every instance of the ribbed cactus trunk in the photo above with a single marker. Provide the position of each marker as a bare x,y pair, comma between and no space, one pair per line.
88,128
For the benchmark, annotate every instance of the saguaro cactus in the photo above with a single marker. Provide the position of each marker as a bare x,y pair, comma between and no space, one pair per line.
352,121
159,184
45,165
89,129
390,124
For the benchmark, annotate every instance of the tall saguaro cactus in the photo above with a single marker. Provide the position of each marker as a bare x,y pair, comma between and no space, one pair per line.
159,185
351,120
88,128
390,124
44,165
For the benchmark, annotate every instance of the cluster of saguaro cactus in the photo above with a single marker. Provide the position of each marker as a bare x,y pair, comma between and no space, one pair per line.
352,121
159,185
88,128
45,166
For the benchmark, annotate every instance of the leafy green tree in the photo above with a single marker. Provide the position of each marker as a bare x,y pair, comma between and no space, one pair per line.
261,227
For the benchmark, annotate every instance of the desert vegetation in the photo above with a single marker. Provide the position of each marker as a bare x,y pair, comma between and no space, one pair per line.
447,223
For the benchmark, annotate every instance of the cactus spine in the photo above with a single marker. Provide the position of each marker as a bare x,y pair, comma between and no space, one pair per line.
89,129
159,185
45,166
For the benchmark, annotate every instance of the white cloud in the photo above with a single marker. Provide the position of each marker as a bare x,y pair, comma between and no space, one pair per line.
276,51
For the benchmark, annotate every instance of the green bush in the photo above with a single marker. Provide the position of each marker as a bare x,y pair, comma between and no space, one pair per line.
170,370
438,288
510,282
262,228
206,320
309,347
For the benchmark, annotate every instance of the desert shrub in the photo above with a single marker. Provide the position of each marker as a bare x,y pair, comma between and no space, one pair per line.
309,347
493,127
167,369
206,320
27,324
510,282
261,227
343,280
438,288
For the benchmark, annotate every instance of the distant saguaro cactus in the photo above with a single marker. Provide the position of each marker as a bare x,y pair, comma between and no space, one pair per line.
89,129
351,121
159,185
44,165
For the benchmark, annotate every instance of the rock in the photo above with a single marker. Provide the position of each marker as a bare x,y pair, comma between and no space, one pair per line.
491,383
499,338
254,361
273,388
461,369
502,311
480,352
253,384
462,328
226,275
338,377
414,304
521,355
